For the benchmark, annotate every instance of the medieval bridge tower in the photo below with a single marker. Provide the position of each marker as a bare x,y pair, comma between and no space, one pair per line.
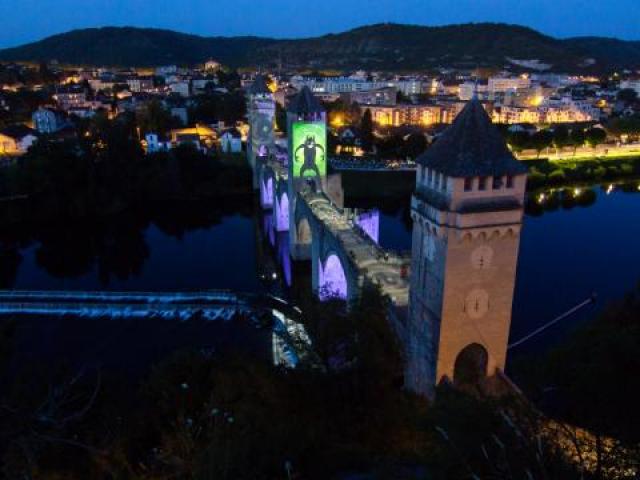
467,212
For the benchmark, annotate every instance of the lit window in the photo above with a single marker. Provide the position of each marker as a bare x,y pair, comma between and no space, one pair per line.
468,184
482,183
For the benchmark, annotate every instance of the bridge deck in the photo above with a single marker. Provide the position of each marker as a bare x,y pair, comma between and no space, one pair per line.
386,268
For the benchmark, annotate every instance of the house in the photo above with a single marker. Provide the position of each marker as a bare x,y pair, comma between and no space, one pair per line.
48,120
153,144
202,136
16,139
139,84
70,96
231,141
182,88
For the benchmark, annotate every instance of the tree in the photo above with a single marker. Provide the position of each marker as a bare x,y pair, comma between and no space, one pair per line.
154,118
560,136
595,136
541,140
627,96
366,131
577,138
518,140
624,126
414,145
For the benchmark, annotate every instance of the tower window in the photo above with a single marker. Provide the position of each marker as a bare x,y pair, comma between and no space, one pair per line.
509,181
482,183
443,182
468,184
430,177
497,183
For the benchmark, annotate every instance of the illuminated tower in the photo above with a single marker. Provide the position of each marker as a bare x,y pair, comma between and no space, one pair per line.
308,157
261,111
467,212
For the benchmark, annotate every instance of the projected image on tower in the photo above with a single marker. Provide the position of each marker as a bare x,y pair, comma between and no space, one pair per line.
309,150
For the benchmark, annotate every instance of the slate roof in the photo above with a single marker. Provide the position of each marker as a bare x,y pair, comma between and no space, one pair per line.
471,146
259,86
305,102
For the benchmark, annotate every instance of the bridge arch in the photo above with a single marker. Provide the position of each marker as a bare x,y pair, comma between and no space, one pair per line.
332,278
282,213
266,191
304,234
470,365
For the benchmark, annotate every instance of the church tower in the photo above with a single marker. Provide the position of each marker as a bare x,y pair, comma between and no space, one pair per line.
261,111
467,212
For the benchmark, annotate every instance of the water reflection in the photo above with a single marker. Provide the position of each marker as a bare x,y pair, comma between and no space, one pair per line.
552,199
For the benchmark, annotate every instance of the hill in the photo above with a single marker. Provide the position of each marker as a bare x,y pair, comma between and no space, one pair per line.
382,47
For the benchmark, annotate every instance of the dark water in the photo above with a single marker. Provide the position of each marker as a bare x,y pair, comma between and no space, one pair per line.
588,243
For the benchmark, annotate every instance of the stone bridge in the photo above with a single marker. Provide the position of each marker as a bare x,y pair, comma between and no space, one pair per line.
343,257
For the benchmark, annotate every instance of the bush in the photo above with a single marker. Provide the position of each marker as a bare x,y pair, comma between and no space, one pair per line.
557,176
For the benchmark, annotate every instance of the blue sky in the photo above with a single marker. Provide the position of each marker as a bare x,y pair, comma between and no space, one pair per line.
28,20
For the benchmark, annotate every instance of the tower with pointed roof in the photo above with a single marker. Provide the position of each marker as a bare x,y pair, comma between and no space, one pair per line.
261,111
308,156
467,212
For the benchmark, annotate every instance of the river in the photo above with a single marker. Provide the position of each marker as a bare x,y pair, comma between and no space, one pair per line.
573,243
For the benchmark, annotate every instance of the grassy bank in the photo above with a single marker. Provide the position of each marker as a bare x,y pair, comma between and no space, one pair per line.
543,172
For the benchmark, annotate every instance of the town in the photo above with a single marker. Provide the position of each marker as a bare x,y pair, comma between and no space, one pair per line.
265,258
371,114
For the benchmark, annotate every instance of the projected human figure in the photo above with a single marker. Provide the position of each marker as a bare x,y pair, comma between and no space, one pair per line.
310,151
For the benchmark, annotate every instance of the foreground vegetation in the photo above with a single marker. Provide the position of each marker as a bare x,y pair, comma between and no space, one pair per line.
202,416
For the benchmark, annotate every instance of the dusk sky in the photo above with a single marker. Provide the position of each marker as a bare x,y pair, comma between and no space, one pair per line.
28,20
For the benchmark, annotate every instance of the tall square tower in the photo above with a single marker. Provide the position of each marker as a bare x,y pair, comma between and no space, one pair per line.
467,211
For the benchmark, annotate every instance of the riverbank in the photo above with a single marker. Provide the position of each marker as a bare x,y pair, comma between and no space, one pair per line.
57,184
545,172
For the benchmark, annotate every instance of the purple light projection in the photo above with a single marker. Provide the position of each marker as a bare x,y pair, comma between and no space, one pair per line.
267,192
282,214
269,231
370,224
284,257
333,282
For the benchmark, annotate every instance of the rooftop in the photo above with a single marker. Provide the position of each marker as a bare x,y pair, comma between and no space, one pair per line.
305,102
259,86
471,146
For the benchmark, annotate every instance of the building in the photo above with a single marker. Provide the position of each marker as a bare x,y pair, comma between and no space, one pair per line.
631,84
469,89
153,144
381,96
70,96
506,84
397,115
16,139
140,84
467,212
202,136
231,141
48,120
182,88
